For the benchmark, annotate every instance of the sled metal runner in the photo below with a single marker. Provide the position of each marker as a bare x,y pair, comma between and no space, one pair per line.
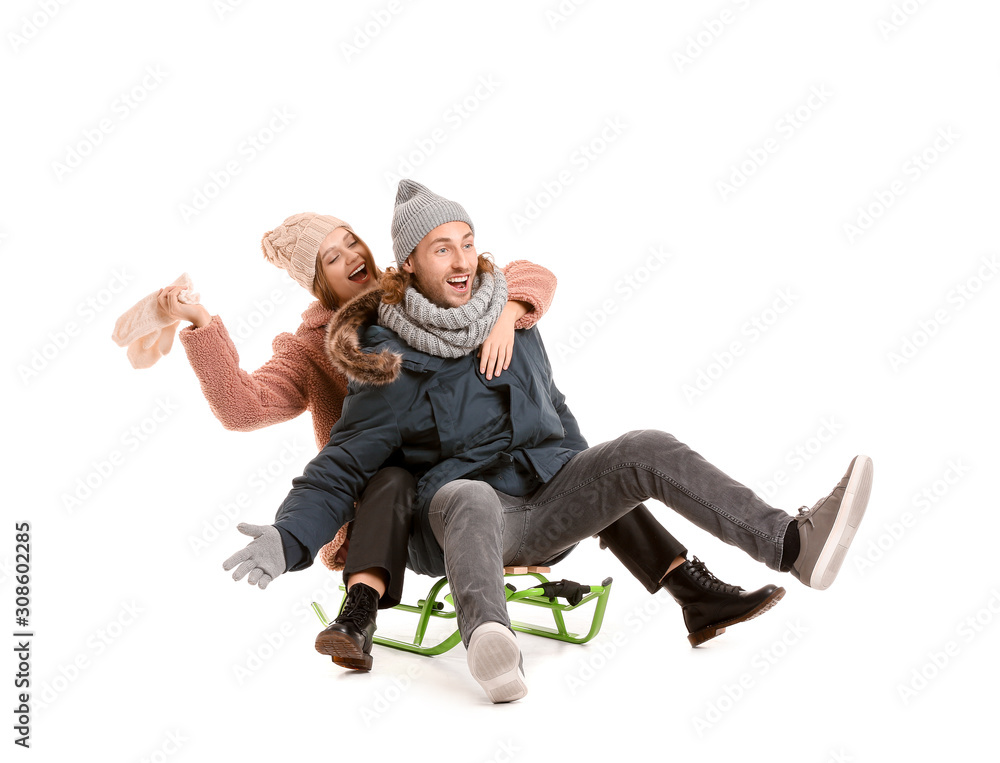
538,596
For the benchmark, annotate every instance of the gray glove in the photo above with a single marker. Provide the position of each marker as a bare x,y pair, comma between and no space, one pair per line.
263,558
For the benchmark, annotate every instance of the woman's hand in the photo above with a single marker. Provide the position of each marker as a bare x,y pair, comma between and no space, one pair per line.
340,557
169,303
498,349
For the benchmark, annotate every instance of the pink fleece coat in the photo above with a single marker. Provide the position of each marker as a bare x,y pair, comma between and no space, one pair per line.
299,377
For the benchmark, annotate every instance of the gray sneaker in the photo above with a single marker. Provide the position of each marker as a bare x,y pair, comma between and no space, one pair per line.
495,662
827,529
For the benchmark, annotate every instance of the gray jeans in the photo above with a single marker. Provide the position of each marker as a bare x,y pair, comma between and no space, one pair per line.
482,529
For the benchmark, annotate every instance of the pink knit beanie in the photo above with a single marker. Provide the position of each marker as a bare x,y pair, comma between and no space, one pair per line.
294,244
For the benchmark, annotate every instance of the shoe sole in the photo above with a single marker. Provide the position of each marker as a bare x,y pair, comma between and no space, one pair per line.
717,629
849,516
494,661
343,651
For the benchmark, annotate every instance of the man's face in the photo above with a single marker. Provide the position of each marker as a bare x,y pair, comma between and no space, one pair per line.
444,264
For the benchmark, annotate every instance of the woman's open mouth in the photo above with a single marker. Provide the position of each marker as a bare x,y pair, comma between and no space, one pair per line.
359,274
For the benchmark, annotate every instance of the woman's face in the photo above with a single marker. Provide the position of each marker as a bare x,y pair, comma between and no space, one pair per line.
347,264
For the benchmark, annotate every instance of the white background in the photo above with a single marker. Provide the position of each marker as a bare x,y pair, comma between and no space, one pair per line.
92,220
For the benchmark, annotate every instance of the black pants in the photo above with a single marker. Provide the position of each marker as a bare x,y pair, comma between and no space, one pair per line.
380,533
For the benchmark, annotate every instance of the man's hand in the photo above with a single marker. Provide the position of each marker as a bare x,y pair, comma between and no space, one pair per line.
498,349
263,558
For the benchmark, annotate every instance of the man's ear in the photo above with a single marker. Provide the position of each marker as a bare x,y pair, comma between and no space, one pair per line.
407,265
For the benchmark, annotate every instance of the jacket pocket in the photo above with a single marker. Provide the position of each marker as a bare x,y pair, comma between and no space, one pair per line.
466,419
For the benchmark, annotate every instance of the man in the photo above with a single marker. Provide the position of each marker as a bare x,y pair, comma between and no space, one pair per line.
504,475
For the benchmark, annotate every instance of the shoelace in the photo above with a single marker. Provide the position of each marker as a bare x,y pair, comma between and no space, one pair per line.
699,570
805,514
354,611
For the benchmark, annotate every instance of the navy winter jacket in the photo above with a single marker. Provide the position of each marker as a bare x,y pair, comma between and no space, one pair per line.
437,417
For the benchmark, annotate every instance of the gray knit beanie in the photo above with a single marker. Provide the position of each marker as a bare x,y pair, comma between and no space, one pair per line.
419,211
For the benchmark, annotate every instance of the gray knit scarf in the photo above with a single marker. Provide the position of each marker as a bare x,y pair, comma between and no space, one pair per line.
448,332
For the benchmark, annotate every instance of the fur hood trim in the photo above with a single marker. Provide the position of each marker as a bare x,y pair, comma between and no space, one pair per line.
375,368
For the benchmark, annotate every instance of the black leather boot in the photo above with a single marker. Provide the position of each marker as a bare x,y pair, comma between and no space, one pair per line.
709,605
348,639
